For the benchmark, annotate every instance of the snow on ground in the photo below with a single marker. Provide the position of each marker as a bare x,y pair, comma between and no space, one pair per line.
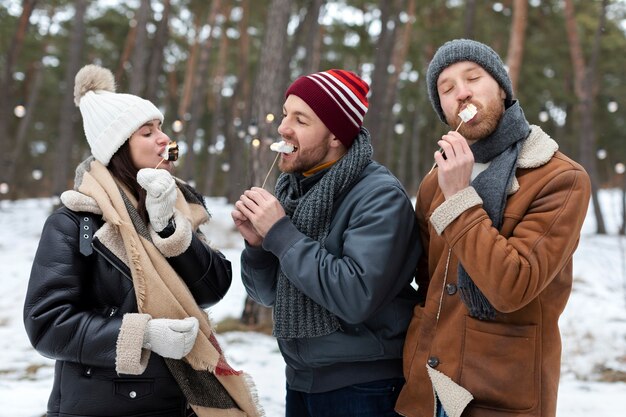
593,325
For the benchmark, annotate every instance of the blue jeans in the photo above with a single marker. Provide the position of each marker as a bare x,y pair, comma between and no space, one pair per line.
440,411
371,399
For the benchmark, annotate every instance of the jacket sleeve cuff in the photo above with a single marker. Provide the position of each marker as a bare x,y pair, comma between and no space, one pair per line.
257,257
178,242
131,358
453,207
281,237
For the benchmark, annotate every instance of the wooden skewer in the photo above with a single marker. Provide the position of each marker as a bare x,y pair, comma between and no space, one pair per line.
162,160
268,172
456,130
459,126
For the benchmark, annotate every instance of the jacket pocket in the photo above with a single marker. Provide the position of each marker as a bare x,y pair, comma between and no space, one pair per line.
353,343
133,389
100,392
500,365
410,343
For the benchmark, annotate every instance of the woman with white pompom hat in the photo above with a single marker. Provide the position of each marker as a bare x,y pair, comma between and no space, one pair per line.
122,275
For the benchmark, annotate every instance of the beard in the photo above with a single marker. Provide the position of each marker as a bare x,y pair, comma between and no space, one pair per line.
305,159
490,116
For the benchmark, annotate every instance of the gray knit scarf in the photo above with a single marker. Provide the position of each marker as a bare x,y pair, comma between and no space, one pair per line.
501,148
295,314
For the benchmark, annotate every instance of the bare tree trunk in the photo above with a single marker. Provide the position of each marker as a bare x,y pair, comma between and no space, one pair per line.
584,88
6,81
269,85
129,44
470,17
268,98
312,37
378,119
517,40
27,120
198,94
415,174
65,141
256,316
216,103
141,50
185,100
237,152
155,67
400,56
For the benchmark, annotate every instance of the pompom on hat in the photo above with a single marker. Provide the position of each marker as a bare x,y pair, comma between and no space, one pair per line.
109,118
338,97
459,50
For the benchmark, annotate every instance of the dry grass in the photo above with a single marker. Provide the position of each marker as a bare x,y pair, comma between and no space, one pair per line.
232,324
607,374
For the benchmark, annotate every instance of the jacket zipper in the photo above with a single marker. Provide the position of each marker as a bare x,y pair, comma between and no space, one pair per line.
112,262
443,286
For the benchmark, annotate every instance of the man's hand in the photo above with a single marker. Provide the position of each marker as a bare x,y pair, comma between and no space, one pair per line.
455,170
261,209
245,228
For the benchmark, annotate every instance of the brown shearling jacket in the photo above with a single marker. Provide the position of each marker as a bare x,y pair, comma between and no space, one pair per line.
509,366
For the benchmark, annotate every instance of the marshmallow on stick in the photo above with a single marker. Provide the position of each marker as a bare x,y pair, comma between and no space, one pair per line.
170,153
282,147
467,114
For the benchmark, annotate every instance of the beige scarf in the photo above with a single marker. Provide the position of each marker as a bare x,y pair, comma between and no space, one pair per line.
211,386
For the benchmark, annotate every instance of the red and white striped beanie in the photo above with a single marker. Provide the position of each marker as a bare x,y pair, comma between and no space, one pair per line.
338,98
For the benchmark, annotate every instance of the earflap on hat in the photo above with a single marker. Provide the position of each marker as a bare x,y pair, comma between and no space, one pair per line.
109,118
338,97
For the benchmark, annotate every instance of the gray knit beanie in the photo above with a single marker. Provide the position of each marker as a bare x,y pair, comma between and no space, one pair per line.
459,50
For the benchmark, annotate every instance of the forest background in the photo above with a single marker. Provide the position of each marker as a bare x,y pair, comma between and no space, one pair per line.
219,69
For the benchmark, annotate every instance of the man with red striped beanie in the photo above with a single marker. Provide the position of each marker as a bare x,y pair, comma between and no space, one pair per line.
333,251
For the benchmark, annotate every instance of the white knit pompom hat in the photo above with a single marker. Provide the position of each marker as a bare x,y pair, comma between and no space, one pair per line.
109,118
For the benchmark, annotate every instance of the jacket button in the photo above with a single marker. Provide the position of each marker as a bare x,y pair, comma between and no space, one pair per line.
451,289
132,394
433,361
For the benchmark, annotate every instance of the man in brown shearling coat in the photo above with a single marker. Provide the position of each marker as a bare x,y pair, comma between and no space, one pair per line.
500,218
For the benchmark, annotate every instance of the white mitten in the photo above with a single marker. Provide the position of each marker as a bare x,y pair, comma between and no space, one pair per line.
161,189
171,338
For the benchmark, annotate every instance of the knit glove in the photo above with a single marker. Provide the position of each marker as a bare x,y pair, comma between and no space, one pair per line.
161,189
171,338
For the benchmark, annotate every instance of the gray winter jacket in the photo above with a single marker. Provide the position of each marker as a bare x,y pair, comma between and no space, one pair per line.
362,276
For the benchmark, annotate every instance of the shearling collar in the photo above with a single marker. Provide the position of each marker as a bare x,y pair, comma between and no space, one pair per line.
536,151
77,201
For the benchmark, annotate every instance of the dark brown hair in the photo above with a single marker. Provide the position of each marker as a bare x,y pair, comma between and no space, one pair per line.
122,168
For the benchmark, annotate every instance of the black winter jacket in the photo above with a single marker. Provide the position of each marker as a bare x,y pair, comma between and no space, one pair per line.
73,313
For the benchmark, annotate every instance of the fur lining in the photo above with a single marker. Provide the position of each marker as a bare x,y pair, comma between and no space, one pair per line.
453,397
178,242
452,208
130,357
76,201
110,237
537,150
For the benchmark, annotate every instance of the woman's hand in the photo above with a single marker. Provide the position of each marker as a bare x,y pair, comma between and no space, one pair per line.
161,189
